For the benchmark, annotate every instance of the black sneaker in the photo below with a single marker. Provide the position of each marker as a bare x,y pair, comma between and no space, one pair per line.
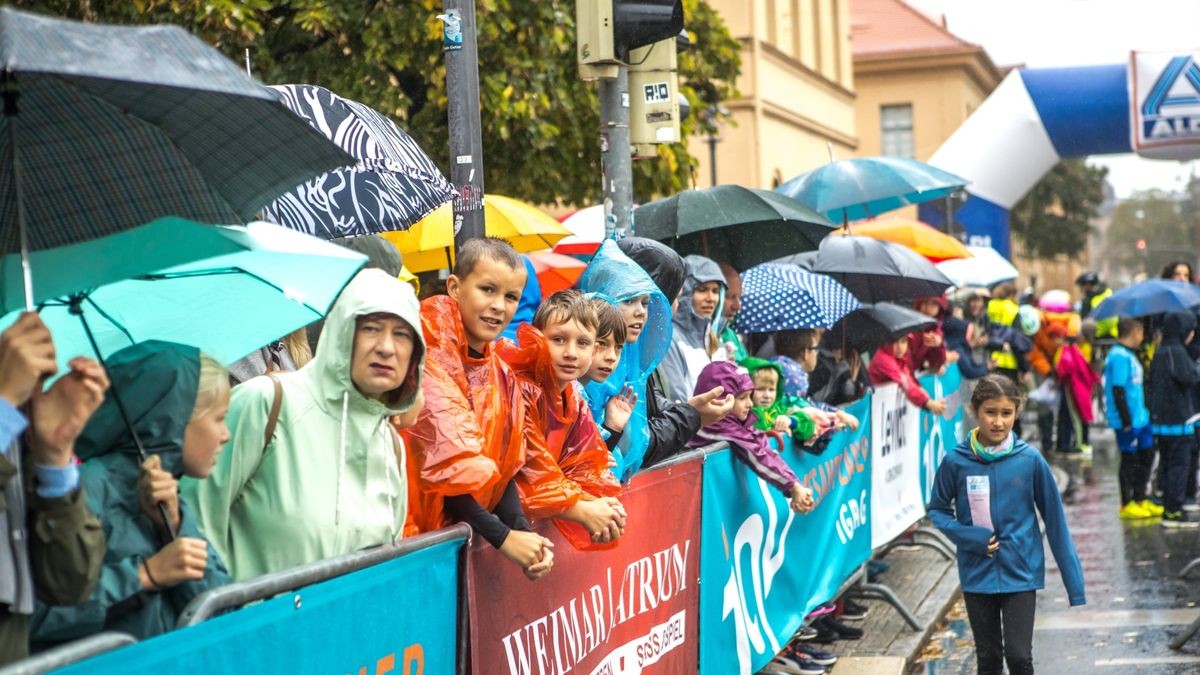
805,633
798,651
1177,520
783,664
843,631
825,635
852,611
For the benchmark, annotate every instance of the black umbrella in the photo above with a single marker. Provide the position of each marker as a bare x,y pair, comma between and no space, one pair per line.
876,271
869,326
730,223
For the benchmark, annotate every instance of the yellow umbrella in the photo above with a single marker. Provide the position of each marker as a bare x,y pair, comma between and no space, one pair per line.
924,239
429,245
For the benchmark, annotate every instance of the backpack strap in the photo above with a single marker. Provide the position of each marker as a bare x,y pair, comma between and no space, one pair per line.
273,417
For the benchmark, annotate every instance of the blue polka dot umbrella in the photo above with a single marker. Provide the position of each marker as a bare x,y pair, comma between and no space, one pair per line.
785,297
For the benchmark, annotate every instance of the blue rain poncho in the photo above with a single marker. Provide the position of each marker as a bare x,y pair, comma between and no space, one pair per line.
611,273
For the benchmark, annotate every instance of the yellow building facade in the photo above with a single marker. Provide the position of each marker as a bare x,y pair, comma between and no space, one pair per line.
796,92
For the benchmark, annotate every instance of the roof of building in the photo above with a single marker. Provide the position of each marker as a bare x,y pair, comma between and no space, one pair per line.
892,27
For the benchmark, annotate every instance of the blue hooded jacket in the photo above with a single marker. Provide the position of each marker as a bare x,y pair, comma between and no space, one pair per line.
611,273
1014,485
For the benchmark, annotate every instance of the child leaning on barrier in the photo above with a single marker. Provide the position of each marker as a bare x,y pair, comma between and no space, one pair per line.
748,443
985,498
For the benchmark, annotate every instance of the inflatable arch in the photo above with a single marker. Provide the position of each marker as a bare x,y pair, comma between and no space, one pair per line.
1036,117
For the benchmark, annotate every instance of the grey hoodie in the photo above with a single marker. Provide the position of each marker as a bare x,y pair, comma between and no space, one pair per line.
689,345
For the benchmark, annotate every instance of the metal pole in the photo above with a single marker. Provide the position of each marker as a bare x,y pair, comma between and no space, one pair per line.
616,159
712,159
466,142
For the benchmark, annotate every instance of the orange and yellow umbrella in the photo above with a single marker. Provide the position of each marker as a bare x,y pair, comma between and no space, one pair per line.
920,237
429,245
555,271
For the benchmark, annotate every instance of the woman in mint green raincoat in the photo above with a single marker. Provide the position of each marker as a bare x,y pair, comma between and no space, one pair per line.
176,400
611,273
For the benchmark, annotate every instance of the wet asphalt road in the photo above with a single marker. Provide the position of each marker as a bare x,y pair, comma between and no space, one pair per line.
1136,601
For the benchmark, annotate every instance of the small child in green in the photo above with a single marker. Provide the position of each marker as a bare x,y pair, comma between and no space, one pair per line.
780,413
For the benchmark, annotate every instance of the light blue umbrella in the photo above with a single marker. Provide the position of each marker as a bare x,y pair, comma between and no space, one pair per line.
1156,296
784,297
259,282
864,187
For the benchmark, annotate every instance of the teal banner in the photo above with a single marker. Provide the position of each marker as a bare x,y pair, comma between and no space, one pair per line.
940,433
763,567
396,617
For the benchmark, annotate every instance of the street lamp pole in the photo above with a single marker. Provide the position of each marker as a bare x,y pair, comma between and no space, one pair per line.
466,141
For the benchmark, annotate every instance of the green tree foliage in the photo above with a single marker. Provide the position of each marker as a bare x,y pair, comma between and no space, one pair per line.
540,122
1159,219
1054,217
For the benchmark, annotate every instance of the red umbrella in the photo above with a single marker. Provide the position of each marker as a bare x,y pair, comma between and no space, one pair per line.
555,272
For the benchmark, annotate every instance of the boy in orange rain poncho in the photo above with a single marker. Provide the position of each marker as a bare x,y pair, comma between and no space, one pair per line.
469,440
567,473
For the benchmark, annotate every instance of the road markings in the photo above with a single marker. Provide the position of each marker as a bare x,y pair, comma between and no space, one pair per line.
1118,618
1149,661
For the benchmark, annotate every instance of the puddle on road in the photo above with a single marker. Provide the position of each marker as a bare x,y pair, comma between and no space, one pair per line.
950,649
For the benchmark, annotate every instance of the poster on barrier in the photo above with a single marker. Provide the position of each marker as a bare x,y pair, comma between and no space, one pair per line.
940,433
398,617
630,609
763,567
896,499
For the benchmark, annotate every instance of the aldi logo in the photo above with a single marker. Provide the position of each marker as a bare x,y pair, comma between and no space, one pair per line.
1164,102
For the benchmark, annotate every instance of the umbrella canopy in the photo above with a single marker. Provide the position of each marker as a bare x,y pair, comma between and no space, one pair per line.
429,245
805,260
876,271
110,127
986,268
864,187
785,297
271,281
920,237
555,272
869,326
391,186
730,223
587,231
1156,296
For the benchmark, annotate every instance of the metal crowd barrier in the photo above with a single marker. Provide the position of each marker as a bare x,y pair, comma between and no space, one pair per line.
67,654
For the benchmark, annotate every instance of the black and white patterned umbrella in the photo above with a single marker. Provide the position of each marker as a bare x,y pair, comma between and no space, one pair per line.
392,186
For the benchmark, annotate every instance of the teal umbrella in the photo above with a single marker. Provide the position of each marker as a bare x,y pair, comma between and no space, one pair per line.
864,187
252,284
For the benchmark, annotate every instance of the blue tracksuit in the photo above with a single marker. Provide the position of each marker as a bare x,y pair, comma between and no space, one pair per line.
1013,486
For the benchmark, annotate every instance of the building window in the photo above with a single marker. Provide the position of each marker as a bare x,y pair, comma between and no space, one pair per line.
897,122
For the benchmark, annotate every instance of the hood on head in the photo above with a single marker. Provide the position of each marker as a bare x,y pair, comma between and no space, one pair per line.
1176,326
954,331
664,265
939,299
753,364
369,292
698,270
157,382
725,374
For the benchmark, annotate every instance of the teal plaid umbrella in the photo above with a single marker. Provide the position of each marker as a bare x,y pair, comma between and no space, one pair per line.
105,128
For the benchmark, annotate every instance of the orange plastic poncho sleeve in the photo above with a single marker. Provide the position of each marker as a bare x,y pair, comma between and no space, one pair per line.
467,439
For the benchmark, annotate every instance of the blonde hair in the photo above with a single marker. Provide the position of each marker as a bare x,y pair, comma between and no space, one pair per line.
213,388
297,346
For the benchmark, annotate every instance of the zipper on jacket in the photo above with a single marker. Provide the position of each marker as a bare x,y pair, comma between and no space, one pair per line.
995,514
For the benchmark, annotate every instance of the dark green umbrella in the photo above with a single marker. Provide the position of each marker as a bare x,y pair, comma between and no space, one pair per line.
730,223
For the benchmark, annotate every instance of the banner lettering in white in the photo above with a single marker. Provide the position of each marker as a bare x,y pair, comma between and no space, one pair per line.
895,465
1164,101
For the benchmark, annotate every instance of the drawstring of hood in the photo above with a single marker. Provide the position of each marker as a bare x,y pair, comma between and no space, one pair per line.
337,509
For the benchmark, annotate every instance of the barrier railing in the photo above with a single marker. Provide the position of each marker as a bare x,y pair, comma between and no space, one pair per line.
70,653
405,608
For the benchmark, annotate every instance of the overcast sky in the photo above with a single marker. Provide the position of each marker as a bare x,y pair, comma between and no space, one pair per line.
1047,33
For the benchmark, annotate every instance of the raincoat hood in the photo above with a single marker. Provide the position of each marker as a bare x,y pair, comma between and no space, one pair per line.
664,265
1176,326
157,382
753,364
954,330
733,378
369,292
941,301
688,326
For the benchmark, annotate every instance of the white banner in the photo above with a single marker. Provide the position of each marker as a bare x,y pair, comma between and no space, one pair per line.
895,464
1164,100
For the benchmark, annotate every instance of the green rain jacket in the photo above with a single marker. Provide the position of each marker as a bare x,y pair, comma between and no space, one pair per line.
783,405
328,483
157,382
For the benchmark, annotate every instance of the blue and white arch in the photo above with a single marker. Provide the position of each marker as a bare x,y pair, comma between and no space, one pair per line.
1036,117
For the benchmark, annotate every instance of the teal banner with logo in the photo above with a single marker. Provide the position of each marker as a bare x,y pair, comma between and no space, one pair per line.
941,433
397,617
763,567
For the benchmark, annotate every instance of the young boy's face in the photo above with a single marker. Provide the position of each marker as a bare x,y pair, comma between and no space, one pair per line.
571,348
705,298
766,387
487,299
606,357
742,405
634,311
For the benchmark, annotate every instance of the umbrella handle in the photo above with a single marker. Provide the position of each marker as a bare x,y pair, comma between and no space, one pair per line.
76,307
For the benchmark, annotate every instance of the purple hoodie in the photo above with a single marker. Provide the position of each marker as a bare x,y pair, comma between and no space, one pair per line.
749,444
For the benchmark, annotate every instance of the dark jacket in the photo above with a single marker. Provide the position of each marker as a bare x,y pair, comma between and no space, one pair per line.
689,345
830,382
672,424
955,332
1172,374
158,383
1014,486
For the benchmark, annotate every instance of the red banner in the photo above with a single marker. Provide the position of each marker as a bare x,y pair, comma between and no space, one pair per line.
630,609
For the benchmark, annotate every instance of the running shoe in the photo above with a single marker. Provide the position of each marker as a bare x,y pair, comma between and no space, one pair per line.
806,633
1177,520
1155,510
783,664
1133,511
1191,506
799,651
852,611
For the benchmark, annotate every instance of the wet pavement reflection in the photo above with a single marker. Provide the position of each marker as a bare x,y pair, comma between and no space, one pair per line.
1136,601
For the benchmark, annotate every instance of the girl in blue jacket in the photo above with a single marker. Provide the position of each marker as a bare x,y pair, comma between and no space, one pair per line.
983,499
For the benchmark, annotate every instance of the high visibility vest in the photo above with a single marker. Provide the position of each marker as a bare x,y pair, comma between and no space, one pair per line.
1105,328
1003,312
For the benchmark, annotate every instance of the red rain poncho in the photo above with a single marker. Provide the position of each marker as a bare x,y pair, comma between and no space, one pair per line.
565,458
469,437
